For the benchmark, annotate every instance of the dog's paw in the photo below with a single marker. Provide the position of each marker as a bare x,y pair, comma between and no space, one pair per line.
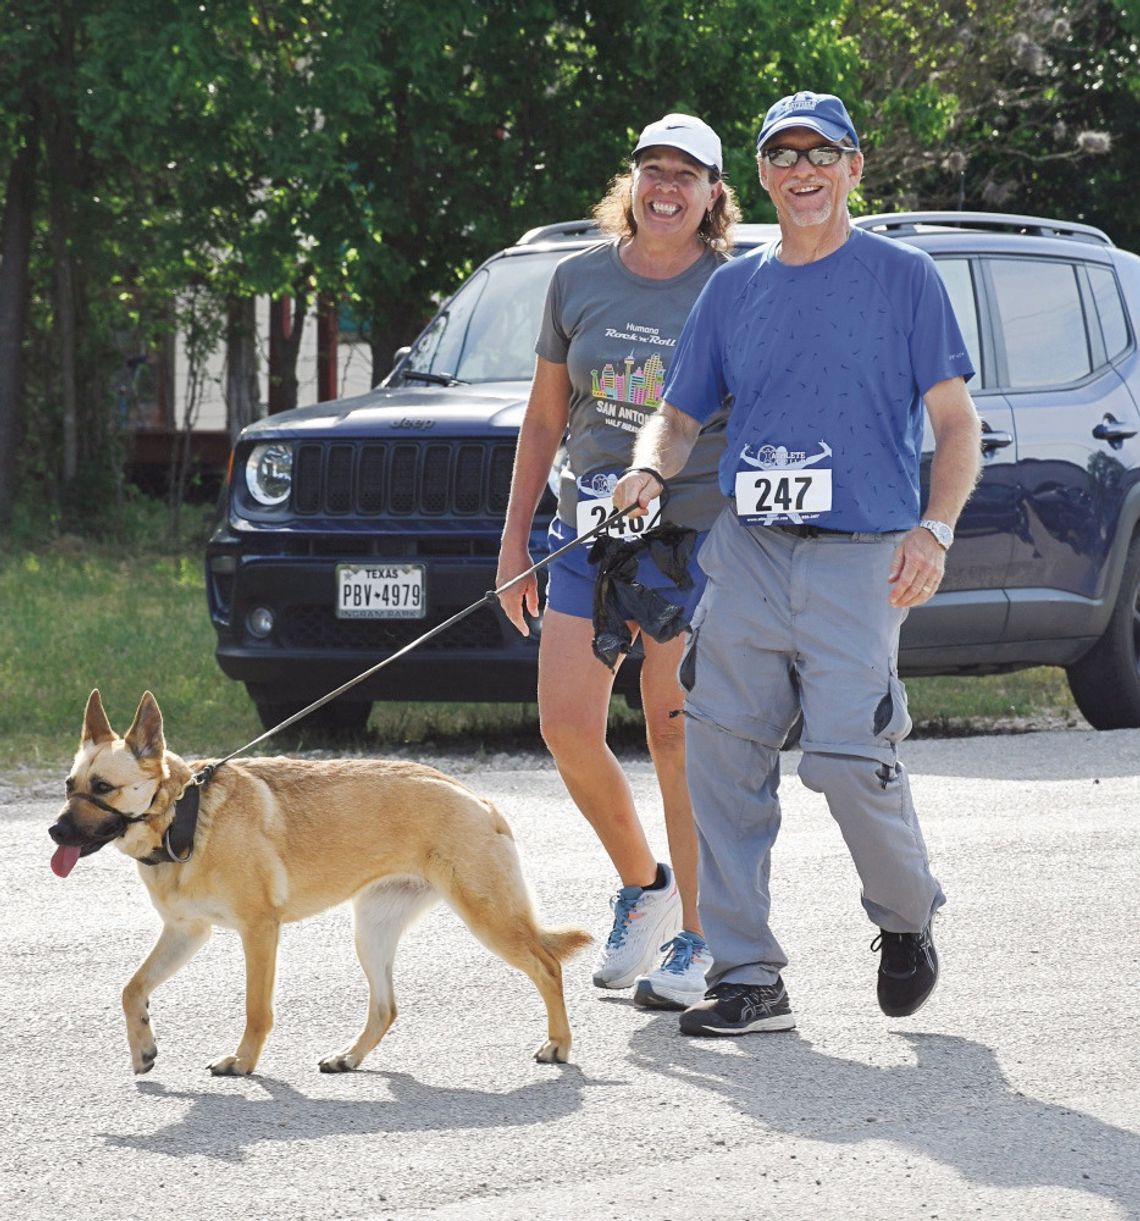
142,1045
143,1061
140,1034
339,1062
552,1053
230,1066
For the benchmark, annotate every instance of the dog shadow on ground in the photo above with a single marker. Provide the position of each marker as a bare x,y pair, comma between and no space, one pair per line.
223,1125
952,1104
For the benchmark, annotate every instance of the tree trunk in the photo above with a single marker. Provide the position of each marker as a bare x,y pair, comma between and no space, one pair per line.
15,248
242,389
286,325
65,310
328,340
63,174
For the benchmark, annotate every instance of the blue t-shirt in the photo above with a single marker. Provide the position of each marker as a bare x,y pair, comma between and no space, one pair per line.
826,365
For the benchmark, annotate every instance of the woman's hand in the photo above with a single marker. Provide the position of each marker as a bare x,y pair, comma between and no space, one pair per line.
522,596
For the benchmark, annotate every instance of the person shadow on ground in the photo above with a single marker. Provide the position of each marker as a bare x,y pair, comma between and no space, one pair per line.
952,1104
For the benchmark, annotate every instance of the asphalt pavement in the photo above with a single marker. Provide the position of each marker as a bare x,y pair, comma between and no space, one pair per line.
1014,1093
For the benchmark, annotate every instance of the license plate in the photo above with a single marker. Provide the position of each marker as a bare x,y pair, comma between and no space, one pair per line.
380,591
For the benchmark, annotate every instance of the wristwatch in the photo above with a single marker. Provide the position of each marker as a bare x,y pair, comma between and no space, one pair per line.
943,534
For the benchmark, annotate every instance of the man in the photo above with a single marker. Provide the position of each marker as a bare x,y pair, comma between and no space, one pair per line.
826,345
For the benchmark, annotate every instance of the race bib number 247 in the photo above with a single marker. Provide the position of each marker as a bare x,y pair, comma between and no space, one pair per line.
782,495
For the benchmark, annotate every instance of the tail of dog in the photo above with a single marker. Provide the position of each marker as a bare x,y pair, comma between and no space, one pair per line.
564,943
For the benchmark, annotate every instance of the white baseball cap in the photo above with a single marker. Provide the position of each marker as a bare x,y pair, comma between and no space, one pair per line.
688,134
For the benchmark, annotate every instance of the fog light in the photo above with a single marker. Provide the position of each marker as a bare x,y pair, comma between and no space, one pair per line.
260,622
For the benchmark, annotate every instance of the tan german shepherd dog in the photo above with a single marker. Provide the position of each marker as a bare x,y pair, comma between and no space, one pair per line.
281,839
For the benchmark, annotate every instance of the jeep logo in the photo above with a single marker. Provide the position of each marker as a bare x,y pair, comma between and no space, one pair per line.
406,423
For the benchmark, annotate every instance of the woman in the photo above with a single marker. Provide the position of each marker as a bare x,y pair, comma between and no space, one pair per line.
613,314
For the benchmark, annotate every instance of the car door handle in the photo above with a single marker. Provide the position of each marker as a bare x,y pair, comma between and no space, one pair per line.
994,440
1112,430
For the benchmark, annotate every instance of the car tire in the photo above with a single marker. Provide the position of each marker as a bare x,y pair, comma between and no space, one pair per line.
342,720
1106,682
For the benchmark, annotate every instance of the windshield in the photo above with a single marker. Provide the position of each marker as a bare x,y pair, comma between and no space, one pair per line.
488,330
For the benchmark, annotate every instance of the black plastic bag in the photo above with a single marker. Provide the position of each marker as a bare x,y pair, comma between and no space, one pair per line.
619,596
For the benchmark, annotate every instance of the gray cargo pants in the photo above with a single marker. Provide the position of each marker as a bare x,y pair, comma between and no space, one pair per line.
785,625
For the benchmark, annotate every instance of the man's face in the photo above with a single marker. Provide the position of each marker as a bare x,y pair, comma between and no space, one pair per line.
806,194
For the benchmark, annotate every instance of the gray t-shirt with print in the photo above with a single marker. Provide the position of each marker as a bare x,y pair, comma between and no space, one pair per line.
616,332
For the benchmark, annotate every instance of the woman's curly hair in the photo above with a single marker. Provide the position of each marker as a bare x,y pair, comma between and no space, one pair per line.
614,212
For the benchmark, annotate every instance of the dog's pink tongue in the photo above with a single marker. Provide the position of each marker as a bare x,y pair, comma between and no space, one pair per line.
63,861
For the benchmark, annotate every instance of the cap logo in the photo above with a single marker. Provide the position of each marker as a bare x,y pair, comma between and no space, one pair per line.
802,101
823,112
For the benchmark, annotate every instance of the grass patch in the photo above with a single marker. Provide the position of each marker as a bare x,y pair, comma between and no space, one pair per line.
1032,699
77,615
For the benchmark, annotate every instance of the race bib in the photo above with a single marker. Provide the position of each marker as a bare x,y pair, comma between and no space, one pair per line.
778,485
596,503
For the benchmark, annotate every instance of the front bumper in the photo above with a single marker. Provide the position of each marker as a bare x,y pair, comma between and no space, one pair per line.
309,651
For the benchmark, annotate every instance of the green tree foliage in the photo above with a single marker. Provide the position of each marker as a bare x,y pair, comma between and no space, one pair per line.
52,411
228,151
1079,163
1000,105
472,122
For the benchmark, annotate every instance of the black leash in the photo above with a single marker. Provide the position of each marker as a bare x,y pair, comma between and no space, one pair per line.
203,775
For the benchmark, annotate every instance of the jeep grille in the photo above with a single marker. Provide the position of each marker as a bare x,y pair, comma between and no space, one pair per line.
403,478
316,627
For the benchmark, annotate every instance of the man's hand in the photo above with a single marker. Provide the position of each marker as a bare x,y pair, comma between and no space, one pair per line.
523,595
919,561
636,488
917,568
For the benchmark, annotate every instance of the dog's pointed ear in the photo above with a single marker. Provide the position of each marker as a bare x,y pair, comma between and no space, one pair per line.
144,738
96,727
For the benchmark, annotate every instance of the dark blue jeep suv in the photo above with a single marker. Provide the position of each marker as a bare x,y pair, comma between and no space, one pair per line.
351,528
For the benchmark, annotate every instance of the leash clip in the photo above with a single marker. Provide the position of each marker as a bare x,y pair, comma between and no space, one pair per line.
203,776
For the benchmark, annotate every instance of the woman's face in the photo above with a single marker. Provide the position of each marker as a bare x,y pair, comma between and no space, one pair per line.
671,194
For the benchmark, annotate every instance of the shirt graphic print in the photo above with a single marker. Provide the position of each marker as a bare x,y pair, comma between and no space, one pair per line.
626,392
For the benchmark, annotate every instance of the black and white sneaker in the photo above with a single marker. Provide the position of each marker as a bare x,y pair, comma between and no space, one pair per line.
740,1009
908,971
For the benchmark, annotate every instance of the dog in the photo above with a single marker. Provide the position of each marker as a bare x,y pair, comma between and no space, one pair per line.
278,840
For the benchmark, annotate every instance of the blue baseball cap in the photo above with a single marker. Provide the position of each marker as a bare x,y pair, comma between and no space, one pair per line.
822,112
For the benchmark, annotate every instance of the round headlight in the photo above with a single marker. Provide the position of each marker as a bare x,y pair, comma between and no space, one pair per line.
269,473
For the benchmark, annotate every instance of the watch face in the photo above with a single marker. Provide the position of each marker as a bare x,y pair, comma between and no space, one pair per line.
941,532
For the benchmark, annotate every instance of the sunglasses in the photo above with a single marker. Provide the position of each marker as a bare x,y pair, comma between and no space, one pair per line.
784,158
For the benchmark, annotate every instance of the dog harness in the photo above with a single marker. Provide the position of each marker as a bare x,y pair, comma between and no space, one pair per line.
178,840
